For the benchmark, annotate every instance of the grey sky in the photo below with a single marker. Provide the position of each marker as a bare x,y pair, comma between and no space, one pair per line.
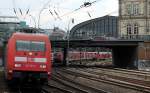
101,8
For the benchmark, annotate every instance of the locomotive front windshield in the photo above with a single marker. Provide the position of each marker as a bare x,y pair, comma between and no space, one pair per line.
30,45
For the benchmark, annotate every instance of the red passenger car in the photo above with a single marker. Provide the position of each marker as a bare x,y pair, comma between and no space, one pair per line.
28,57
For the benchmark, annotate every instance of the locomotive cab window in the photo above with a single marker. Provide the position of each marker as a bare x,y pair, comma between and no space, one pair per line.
37,46
30,45
22,45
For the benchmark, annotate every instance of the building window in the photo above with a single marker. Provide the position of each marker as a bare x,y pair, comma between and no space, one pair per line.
149,8
133,9
136,29
132,30
129,9
129,29
80,33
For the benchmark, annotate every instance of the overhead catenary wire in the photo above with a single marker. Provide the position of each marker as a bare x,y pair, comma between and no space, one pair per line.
23,14
57,14
86,4
15,11
52,14
14,8
27,12
89,14
20,11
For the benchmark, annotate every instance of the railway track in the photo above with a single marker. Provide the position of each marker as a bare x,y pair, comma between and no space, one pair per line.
133,71
74,86
54,87
94,80
123,77
122,86
134,74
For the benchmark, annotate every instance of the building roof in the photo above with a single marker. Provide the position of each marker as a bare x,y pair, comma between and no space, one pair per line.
90,21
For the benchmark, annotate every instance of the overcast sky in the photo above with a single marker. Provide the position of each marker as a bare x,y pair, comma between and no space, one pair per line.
64,8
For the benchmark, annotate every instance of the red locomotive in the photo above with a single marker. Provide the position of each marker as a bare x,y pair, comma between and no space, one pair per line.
28,57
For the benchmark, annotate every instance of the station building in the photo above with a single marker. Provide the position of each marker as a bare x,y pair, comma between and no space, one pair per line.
134,23
96,28
134,19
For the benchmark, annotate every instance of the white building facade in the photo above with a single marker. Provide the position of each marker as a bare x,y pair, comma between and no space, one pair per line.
134,19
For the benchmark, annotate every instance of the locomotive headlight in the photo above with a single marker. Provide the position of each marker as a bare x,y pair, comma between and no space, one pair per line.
10,71
42,66
30,53
49,73
17,65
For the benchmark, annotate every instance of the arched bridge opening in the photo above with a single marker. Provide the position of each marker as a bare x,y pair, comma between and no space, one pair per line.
125,56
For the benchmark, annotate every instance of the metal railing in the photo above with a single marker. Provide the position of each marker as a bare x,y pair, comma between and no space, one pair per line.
135,37
124,37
